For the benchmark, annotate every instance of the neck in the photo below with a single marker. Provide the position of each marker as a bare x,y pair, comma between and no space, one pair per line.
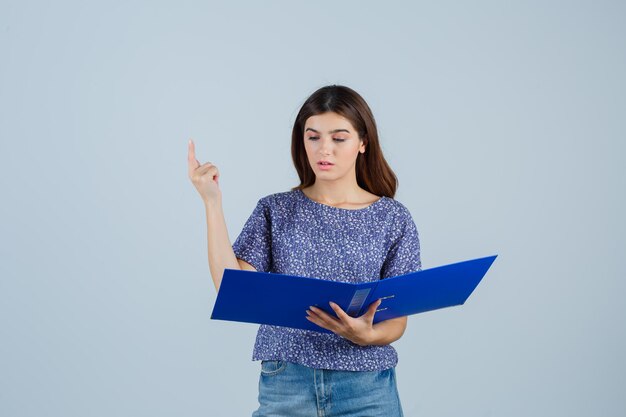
335,191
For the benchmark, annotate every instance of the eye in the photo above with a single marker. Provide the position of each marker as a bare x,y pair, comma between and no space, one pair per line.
336,139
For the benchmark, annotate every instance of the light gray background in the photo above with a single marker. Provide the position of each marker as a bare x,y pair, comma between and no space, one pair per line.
504,122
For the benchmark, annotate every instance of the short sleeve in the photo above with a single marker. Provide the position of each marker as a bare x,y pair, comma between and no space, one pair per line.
404,254
253,244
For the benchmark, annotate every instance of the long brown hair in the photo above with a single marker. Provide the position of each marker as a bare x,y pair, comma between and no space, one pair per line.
372,171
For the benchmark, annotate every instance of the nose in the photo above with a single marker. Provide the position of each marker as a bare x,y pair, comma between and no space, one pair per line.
325,147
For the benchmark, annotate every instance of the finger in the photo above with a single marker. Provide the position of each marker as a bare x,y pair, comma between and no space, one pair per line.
209,169
371,311
213,173
191,156
343,316
321,324
322,315
315,319
205,167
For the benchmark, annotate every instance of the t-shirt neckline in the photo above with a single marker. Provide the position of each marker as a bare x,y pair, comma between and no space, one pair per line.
326,206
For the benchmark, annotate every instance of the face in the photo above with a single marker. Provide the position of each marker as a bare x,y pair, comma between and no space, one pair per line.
331,137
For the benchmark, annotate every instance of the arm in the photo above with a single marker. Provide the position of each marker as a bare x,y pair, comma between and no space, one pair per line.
221,255
388,331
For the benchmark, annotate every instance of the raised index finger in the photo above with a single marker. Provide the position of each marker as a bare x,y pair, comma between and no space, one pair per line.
191,156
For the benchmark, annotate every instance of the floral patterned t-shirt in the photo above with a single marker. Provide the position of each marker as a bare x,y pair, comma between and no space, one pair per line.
289,233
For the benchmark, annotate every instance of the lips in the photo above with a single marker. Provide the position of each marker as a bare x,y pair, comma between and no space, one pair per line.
324,165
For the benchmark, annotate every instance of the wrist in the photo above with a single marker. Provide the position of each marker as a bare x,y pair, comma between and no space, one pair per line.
213,202
369,338
373,337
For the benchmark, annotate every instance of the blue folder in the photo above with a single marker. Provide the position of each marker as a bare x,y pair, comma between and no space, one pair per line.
282,300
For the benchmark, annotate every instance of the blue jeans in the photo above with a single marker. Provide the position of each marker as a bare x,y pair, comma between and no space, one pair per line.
292,390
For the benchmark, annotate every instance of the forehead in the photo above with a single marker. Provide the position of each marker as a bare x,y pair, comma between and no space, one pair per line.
327,121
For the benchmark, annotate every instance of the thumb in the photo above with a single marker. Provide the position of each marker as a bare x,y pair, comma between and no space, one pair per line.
372,309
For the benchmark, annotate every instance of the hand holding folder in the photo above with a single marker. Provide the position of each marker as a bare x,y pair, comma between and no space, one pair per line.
282,300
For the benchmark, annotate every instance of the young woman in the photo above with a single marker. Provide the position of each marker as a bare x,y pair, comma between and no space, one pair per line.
340,223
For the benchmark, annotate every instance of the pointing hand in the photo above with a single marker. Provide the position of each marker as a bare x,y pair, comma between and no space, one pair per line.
204,177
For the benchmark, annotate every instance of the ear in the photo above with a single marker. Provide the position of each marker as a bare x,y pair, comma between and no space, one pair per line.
362,147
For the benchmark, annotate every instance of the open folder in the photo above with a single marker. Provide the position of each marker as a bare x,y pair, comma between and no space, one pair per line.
282,300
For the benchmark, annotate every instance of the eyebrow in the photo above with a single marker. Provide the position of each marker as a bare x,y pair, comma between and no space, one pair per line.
331,131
